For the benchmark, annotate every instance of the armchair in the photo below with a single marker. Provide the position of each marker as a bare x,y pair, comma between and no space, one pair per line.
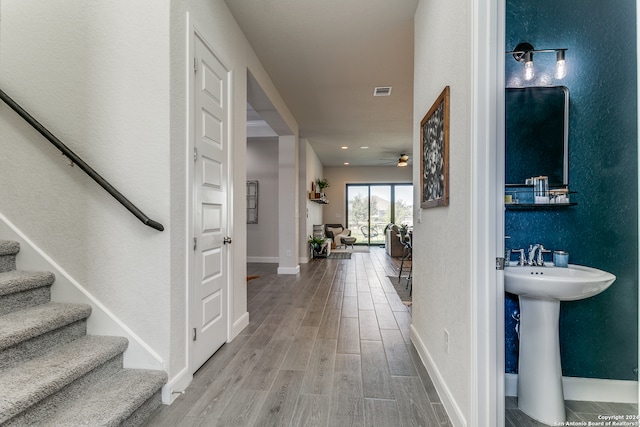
335,232
392,244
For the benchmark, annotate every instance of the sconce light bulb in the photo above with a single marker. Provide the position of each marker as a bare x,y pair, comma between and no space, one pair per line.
561,68
528,70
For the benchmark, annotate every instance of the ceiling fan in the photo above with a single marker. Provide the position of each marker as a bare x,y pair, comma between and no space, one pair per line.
400,161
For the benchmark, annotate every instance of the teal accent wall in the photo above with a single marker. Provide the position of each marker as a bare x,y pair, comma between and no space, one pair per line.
598,336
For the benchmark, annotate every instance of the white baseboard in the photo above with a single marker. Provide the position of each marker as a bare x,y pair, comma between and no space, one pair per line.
239,325
176,386
451,406
289,270
586,389
263,259
66,289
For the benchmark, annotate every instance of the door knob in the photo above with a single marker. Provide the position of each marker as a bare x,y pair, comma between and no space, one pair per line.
226,240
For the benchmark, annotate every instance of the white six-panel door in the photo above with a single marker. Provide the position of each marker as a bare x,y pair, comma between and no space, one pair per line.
210,276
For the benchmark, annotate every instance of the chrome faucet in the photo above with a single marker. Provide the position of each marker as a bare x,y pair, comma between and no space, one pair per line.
532,254
536,254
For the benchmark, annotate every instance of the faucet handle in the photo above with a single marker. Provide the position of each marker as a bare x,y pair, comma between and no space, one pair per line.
541,252
523,260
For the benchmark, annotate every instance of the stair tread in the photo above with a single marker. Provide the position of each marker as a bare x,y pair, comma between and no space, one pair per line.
22,325
110,401
34,380
9,247
17,281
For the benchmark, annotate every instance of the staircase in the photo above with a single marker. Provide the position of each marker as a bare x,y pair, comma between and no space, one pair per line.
51,372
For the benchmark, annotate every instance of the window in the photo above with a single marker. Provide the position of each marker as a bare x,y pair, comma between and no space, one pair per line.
370,207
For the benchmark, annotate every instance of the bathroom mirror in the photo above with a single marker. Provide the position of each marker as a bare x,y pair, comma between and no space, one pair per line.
537,134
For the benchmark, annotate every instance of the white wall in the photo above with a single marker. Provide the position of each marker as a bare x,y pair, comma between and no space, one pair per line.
91,73
442,239
262,165
339,176
310,212
110,79
217,26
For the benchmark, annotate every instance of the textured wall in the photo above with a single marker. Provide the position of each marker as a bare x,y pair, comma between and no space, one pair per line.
442,293
76,66
598,336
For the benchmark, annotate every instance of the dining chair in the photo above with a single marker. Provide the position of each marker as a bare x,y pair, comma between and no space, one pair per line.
405,239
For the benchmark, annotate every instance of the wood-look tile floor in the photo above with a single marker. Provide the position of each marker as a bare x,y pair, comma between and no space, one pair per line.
577,413
328,347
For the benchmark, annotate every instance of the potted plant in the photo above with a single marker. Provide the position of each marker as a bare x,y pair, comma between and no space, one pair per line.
316,242
321,184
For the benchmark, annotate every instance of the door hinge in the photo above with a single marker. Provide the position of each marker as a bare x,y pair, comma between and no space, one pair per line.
195,64
195,243
499,263
195,334
195,154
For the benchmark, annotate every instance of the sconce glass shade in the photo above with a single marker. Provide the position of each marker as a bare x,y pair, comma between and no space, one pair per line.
402,164
561,68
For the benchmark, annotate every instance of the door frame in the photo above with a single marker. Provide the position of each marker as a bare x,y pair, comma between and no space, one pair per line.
487,320
189,170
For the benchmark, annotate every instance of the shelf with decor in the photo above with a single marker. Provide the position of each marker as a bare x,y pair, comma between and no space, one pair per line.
523,206
522,197
317,194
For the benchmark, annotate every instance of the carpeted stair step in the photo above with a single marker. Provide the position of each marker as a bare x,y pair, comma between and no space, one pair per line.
29,333
126,398
8,251
36,387
22,289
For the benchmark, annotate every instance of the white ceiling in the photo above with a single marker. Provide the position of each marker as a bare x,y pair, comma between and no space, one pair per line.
326,57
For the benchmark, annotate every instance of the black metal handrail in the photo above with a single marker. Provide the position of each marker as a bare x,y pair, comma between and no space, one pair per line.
81,164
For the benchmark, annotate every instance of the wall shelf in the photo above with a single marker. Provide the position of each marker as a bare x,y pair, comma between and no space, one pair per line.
320,201
524,206
524,197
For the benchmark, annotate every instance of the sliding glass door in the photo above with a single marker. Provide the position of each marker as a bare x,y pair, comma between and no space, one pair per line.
370,207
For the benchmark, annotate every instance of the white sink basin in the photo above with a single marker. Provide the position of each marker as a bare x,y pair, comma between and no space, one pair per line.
540,290
564,284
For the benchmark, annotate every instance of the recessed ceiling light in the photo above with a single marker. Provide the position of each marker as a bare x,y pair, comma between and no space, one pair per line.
346,163
364,147
382,91
344,147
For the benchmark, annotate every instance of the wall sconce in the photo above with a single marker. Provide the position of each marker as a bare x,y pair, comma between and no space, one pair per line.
402,161
524,53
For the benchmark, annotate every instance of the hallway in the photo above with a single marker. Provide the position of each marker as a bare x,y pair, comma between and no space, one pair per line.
329,347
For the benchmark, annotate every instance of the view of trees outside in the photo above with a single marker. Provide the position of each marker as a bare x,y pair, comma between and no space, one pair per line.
371,204
404,205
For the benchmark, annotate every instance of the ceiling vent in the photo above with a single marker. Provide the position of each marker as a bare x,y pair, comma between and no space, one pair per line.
382,91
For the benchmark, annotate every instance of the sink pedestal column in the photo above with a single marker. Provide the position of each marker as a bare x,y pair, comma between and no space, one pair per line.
540,392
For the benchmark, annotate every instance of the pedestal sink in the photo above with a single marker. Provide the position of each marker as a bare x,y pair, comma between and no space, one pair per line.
540,290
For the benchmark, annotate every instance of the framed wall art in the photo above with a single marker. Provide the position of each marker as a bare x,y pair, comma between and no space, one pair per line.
252,202
434,154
